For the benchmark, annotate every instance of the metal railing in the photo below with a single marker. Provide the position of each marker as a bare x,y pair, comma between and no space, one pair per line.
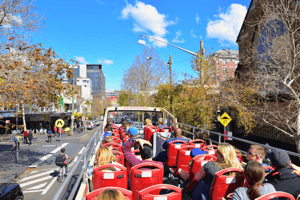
220,135
91,145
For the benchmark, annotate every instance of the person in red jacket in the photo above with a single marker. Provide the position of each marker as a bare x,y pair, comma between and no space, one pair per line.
25,134
55,131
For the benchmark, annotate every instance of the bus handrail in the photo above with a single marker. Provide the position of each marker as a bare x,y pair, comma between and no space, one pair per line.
65,184
239,139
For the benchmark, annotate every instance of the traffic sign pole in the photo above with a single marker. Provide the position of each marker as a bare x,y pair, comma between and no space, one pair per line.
225,119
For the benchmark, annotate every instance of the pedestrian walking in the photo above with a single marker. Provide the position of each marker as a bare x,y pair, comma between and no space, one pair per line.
30,137
60,132
25,134
49,135
17,141
55,131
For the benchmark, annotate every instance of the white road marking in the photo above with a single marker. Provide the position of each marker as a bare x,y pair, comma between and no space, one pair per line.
32,191
48,145
49,186
80,152
38,186
35,181
47,156
75,159
37,175
34,172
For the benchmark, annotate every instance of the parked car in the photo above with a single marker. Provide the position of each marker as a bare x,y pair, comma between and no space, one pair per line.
10,191
89,126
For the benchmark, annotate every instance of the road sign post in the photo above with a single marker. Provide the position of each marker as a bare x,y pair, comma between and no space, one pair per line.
225,119
59,124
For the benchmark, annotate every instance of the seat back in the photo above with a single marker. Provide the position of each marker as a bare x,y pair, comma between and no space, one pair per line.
126,139
276,195
119,156
116,139
113,144
298,197
165,129
150,133
125,134
211,149
222,185
134,152
141,178
183,157
116,178
197,163
173,151
115,128
152,192
93,195
198,143
240,158
146,128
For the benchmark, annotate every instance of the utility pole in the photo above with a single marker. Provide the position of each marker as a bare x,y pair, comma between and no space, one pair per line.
72,117
170,67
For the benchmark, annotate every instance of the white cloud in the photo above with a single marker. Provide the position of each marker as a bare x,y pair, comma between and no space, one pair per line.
192,34
228,25
197,18
146,18
81,60
176,39
105,62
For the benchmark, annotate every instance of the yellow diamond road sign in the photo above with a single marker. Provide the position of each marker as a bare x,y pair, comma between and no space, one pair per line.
59,123
225,119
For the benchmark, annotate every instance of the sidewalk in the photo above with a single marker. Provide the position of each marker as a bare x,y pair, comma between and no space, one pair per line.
27,155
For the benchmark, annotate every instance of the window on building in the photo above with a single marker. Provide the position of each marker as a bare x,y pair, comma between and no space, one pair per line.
223,60
224,69
231,69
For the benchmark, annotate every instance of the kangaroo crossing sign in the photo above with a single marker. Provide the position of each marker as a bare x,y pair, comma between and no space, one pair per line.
225,119
59,123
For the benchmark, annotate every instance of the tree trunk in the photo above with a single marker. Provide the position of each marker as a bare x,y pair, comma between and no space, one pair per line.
24,121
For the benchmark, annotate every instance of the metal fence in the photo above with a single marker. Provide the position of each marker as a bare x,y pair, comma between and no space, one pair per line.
86,157
221,138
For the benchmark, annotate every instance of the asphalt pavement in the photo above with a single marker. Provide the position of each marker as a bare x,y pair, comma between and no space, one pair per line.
40,154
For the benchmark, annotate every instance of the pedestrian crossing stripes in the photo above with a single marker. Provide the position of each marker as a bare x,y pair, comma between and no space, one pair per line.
38,181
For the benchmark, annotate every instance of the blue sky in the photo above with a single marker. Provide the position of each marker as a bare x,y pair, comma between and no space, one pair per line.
107,31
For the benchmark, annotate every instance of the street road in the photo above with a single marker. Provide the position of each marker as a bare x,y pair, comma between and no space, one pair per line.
36,170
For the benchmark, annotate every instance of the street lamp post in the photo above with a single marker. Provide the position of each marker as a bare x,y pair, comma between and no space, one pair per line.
72,117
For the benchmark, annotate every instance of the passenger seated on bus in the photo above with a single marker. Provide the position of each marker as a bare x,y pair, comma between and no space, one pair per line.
108,130
284,177
257,153
255,174
109,139
148,122
202,135
162,156
146,152
111,195
226,158
104,156
124,125
132,134
162,123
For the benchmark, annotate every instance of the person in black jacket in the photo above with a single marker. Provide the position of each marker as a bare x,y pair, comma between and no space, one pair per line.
30,137
284,177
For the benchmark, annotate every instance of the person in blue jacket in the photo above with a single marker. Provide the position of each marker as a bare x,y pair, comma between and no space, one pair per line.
162,156
109,130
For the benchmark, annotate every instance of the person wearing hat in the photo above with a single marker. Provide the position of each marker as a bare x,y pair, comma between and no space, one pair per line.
132,134
162,156
284,177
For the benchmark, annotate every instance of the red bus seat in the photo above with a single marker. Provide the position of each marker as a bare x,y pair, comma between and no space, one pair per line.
198,143
146,128
115,128
93,195
184,157
126,139
240,158
119,156
276,195
104,179
116,139
152,192
222,185
113,144
173,151
134,152
141,179
150,133
197,163
211,149
125,134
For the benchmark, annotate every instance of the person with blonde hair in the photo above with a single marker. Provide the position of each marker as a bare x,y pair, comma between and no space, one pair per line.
148,122
104,156
111,195
226,158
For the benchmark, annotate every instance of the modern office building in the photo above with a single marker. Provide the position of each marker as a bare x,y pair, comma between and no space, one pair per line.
94,73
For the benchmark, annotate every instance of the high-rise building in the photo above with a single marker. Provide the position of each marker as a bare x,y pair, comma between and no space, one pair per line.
94,73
